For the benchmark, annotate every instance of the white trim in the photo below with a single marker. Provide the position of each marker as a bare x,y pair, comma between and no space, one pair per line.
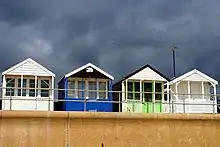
203,93
27,86
194,71
141,91
25,61
86,86
154,95
89,65
168,92
189,90
22,85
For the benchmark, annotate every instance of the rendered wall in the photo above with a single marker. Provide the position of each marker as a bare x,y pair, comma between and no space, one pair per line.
56,129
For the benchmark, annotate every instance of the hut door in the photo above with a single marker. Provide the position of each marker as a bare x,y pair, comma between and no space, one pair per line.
148,105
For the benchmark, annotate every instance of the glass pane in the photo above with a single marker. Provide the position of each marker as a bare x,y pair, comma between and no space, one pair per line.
23,87
102,86
158,88
130,90
79,89
19,86
32,85
45,85
10,85
137,90
71,89
92,86
148,87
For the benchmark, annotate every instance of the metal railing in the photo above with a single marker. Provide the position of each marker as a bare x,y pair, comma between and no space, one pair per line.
113,101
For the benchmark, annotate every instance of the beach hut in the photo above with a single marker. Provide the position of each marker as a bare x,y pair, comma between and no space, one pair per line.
85,89
26,86
142,91
193,92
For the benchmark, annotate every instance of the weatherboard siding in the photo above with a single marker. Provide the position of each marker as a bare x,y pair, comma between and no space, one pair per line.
195,77
29,68
147,74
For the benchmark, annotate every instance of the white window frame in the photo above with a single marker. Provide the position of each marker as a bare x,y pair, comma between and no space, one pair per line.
39,78
86,86
15,84
49,88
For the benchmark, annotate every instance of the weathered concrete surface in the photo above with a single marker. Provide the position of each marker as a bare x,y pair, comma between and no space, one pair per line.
90,129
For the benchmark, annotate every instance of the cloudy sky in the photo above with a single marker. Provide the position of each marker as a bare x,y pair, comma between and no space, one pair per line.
117,35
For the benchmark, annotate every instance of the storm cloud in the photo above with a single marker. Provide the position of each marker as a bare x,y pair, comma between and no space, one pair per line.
117,35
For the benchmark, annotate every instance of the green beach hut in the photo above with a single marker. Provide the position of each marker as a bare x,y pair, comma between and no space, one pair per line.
141,91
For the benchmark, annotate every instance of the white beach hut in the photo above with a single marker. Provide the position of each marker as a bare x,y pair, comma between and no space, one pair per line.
195,92
27,86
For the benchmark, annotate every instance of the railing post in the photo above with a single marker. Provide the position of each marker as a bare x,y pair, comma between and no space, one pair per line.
49,99
172,107
85,102
119,97
214,103
10,98
184,104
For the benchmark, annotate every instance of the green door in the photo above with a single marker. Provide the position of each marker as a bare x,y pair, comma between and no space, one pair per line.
148,106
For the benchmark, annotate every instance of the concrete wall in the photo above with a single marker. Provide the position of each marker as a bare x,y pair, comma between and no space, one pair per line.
79,129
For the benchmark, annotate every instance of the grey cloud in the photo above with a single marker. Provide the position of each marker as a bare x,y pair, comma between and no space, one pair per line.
118,35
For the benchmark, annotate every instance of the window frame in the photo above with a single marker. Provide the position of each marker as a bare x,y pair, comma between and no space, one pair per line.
21,90
85,86
47,89
12,91
133,92
28,78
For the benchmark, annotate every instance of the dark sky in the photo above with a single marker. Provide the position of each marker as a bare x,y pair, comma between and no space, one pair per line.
119,36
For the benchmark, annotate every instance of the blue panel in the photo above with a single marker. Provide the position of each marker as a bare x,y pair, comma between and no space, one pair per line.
99,106
74,105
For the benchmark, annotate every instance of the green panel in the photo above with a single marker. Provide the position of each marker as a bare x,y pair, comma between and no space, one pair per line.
136,107
133,106
158,107
147,107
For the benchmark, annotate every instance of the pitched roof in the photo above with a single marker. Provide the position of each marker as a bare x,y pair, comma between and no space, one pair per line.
194,71
89,65
140,69
25,61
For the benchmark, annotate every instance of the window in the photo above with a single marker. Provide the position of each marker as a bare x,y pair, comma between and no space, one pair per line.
80,89
31,86
87,88
10,85
158,90
44,85
24,85
134,90
71,89
102,90
130,90
92,86
147,89
137,90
